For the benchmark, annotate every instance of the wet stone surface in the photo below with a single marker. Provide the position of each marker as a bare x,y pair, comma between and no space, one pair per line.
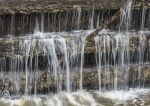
139,76
38,6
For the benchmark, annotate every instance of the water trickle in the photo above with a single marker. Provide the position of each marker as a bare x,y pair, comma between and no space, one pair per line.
92,20
62,52
143,18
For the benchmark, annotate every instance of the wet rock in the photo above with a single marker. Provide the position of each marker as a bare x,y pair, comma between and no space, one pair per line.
46,83
46,5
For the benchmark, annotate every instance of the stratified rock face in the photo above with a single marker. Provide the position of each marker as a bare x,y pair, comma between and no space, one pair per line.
57,21
22,16
38,6
32,6
90,80
18,24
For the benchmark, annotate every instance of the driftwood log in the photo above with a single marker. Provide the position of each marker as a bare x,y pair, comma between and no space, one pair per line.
104,25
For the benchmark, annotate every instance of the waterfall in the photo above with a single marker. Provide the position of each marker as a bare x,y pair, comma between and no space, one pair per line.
49,60
119,45
62,52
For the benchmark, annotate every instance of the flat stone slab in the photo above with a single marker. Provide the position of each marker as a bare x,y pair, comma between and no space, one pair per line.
38,6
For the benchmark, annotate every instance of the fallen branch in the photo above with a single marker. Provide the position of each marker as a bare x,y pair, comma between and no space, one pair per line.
106,24
109,22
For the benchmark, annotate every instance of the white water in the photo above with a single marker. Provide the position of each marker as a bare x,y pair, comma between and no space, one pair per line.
82,98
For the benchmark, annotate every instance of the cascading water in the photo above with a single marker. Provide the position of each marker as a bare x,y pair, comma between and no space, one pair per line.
49,67
115,48
54,48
